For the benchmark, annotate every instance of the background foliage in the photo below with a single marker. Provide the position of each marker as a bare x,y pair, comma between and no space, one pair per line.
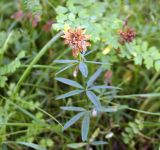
31,117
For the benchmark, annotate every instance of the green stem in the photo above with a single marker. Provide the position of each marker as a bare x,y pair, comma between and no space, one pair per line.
34,61
40,66
152,80
147,95
136,110
5,46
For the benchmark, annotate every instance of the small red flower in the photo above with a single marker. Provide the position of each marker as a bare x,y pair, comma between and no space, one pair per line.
47,26
18,16
34,18
127,35
107,77
77,40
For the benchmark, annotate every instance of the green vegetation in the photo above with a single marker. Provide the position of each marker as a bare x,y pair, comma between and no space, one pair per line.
79,74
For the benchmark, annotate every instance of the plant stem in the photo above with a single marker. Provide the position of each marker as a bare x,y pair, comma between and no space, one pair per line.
5,46
34,61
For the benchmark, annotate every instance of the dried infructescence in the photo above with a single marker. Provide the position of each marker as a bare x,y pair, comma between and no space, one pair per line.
77,40
127,35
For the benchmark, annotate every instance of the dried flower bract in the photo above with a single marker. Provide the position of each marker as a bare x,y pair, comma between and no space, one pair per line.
77,40
127,35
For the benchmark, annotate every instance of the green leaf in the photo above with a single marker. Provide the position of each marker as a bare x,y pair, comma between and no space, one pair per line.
72,108
32,145
71,17
148,62
27,113
33,6
61,10
89,52
3,80
85,127
103,87
11,67
108,109
69,94
83,68
63,69
69,82
73,120
3,36
98,143
157,65
76,145
4,147
98,63
61,18
65,61
94,76
94,99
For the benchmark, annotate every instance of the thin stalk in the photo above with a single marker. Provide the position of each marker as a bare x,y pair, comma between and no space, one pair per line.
16,124
136,110
152,80
40,66
13,133
35,60
5,46
49,116
138,95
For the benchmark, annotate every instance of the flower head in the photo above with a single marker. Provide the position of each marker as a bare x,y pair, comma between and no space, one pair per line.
127,35
77,40
18,16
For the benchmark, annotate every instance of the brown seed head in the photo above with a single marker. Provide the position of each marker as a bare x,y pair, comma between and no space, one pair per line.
77,40
127,35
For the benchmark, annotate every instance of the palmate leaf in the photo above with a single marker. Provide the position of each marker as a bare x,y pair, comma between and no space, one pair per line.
85,127
72,108
94,76
69,82
73,120
69,94
94,99
83,69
